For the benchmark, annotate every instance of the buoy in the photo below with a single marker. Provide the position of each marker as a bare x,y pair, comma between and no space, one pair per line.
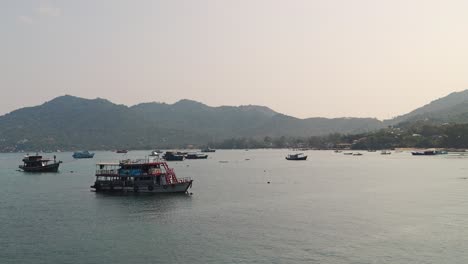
191,193
268,182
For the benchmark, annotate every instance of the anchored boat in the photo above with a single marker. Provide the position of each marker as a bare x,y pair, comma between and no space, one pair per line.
208,150
37,164
196,156
156,153
299,156
171,156
83,155
139,176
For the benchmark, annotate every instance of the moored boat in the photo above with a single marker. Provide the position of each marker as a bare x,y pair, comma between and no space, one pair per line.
298,156
424,153
139,176
121,151
208,150
196,156
36,163
171,156
385,152
156,153
429,152
83,155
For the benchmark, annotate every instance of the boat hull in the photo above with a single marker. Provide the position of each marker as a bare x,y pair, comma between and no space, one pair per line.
301,158
174,158
199,157
80,156
426,153
172,188
47,168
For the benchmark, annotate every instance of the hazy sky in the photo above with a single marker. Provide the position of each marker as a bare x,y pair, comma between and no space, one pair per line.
304,58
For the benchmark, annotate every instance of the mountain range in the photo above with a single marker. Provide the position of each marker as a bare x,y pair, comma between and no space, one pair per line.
69,122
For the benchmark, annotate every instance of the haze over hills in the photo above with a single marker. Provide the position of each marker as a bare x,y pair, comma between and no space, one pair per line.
69,123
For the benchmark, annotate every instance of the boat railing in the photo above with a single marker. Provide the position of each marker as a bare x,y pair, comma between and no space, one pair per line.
107,172
116,183
185,179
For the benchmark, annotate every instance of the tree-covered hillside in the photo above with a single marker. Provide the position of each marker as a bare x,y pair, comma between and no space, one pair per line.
70,123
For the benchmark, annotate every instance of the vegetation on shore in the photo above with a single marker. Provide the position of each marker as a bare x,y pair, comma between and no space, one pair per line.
415,135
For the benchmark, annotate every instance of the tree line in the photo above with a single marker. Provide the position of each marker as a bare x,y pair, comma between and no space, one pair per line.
415,135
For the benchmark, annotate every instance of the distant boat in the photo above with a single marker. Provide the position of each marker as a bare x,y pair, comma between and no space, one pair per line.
155,153
298,156
338,151
385,152
428,152
424,153
348,153
357,154
208,150
171,156
83,155
36,163
196,156
121,151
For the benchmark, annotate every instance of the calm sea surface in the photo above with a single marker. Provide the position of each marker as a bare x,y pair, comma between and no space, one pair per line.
331,208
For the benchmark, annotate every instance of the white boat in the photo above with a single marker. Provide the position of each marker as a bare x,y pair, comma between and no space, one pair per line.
156,153
385,152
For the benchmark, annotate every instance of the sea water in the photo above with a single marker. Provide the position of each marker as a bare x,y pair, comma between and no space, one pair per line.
246,207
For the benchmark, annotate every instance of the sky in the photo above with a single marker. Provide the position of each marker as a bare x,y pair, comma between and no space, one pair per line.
304,58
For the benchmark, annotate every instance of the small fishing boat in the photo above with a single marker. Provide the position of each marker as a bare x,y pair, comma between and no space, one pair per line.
171,156
429,152
122,151
424,153
385,152
357,154
139,176
196,156
298,156
83,155
155,153
36,163
348,153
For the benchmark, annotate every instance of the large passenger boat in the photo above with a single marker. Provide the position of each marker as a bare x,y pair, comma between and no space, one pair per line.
36,163
144,176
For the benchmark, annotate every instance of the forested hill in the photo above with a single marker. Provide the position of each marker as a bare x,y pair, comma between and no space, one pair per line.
452,108
69,123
